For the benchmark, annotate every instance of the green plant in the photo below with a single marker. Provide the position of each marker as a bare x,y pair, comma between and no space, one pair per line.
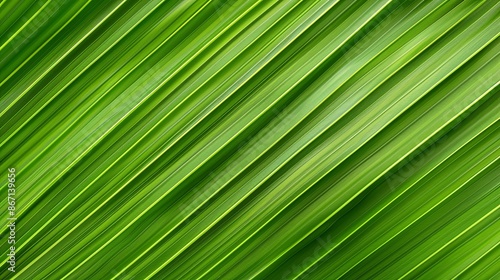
239,139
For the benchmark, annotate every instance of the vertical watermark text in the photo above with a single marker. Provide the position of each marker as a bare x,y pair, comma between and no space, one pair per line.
11,219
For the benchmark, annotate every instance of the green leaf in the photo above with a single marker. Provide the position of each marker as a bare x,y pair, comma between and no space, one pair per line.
242,139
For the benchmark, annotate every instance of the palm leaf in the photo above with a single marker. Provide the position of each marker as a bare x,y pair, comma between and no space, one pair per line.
238,139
